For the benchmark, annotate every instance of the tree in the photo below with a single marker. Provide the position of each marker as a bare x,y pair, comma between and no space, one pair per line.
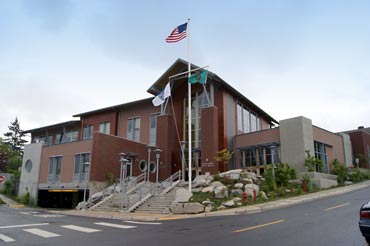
312,163
224,156
14,138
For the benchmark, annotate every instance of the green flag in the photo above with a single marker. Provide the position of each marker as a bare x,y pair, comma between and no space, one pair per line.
198,77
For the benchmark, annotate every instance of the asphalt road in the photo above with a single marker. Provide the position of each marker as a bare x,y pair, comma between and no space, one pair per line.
329,221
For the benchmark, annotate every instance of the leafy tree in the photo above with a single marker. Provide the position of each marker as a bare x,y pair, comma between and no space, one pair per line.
224,156
14,138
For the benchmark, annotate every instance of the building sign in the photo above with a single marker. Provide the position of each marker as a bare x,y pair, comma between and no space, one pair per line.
208,164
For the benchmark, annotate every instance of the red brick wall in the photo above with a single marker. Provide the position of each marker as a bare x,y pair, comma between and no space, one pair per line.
209,144
105,155
142,110
68,151
360,140
97,119
326,137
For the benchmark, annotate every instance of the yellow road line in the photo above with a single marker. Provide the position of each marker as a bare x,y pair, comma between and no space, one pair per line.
339,206
259,226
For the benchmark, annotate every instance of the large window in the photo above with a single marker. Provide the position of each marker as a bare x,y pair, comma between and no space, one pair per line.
55,169
133,129
264,154
59,138
88,132
71,136
81,168
320,153
247,120
104,127
153,129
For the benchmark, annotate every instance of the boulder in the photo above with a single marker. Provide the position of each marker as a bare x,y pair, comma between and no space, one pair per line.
263,195
229,204
252,187
221,192
229,173
237,199
234,176
217,183
237,192
193,208
222,207
202,181
251,175
239,185
177,208
249,193
248,180
207,203
209,189
183,195
208,208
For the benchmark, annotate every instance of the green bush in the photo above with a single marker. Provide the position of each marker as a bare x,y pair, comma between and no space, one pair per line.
358,175
340,170
283,173
25,198
312,163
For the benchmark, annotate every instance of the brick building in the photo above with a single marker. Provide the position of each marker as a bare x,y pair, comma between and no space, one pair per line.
54,169
360,139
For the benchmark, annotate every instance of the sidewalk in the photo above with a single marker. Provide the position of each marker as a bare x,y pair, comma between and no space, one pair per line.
11,203
258,208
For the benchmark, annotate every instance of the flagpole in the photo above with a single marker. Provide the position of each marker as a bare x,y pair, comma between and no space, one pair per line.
189,107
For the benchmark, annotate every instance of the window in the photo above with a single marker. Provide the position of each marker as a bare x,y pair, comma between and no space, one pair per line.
153,129
28,166
247,120
320,153
55,168
81,169
133,129
104,127
59,138
71,136
88,132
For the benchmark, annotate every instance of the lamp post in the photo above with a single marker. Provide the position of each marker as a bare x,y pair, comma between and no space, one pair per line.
157,156
149,148
87,165
183,160
123,162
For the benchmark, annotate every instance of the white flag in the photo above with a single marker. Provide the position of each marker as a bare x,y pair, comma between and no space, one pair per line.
160,98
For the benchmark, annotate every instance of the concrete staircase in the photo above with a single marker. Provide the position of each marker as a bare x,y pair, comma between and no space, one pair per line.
158,204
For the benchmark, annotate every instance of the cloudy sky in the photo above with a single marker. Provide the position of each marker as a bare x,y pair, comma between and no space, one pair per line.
63,57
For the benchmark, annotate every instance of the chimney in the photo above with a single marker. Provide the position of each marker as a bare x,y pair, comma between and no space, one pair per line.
360,127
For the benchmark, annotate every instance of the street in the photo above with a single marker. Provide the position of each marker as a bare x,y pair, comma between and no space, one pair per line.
328,221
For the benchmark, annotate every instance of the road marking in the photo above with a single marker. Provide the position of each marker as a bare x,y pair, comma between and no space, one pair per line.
259,226
339,206
114,225
80,228
41,233
48,215
6,238
29,213
142,222
26,225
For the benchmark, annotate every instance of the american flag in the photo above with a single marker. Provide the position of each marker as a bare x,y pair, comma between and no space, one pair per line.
177,34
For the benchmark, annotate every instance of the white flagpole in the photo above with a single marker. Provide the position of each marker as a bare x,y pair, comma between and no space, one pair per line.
189,107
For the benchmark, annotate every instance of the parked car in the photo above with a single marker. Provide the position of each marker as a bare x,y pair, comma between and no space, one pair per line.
365,221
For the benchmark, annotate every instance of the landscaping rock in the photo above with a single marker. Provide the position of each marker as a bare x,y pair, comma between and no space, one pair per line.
193,208
234,176
177,208
252,187
207,203
237,199
237,192
228,173
221,192
209,189
222,207
217,183
251,175
229,204
263,195
248,180
208,208
202,181
239,185
183,195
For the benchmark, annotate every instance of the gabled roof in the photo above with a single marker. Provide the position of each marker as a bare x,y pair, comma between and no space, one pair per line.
58,125
181,65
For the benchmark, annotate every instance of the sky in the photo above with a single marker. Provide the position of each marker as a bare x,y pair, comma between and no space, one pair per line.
292,58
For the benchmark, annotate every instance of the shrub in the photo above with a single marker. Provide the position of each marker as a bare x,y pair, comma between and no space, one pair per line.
340,170
312,163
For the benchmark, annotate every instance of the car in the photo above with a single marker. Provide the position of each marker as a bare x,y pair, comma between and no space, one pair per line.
364,222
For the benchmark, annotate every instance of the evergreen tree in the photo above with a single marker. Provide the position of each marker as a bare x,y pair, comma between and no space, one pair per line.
14,138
